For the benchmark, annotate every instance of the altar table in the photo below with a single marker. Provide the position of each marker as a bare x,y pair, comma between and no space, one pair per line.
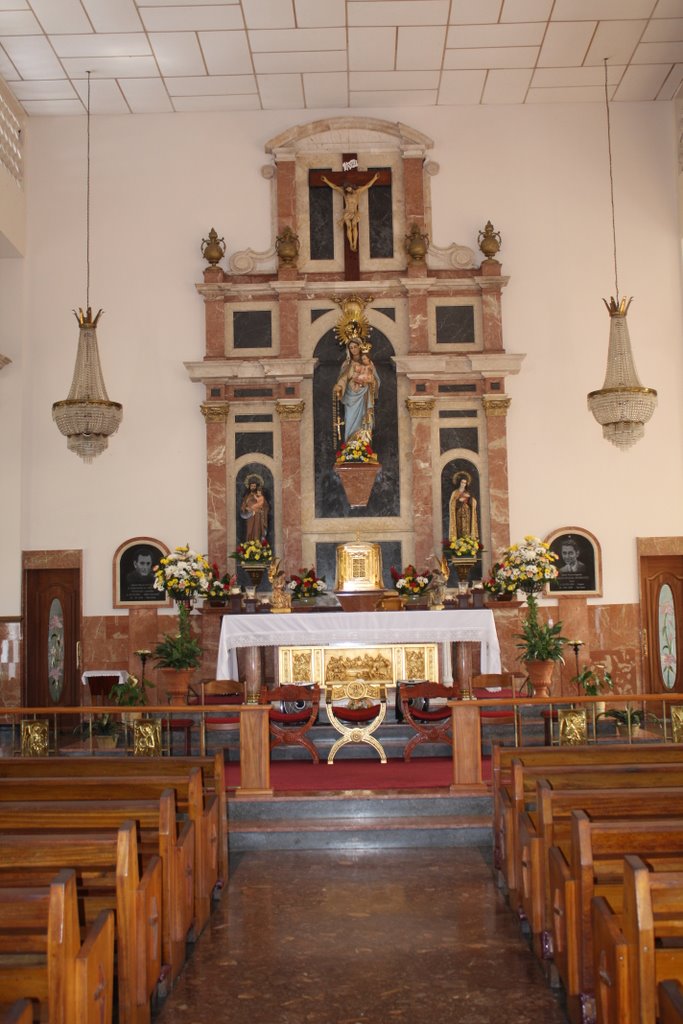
361,628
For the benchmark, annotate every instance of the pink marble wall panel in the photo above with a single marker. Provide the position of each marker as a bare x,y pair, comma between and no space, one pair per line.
215,310
422,490
492,325
496,430
413,183
291,491
418,323
216,491
286,196
10,662
61,559
289,326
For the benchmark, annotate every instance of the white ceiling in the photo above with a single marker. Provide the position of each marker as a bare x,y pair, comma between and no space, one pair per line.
149,56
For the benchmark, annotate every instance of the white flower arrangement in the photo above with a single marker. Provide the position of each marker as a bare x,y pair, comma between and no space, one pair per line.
183,574
527,566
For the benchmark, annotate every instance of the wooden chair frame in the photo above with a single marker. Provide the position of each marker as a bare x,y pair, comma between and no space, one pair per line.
290,728
430,726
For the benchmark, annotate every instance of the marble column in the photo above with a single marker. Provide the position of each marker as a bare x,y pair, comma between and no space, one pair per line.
290,414
491,284
214,307
215,416
418,318
420,411
496,407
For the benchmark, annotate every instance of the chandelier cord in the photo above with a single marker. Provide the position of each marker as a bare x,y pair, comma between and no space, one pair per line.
87,200
611,187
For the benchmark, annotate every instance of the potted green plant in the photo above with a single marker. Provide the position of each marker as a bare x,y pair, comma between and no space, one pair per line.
104,729
629,720
541,645
178,655
594,680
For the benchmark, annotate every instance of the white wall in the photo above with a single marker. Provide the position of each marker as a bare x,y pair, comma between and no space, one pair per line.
159,183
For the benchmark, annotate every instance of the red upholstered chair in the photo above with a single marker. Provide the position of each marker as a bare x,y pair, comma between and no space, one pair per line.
504,685
431,722
293,712
220,691
356,710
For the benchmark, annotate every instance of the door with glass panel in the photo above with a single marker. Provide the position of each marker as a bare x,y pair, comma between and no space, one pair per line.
661,589
52,634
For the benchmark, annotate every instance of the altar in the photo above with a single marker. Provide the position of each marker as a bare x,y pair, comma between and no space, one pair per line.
360,629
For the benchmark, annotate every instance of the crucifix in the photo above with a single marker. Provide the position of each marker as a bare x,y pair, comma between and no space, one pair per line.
350,183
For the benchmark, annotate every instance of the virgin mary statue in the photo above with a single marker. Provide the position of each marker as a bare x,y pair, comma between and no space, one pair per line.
357,388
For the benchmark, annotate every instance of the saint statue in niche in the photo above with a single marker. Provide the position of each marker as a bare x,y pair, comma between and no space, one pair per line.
351,216
357,388
462,509
254,509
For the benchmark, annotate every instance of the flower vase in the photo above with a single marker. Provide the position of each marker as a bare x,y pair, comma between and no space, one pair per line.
308,601
463,567
357,479
176,683
254,571
540,676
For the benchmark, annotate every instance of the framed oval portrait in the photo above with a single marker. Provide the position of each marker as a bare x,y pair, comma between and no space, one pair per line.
579,563
133,572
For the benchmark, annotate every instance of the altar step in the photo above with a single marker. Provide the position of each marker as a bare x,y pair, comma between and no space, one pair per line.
339,822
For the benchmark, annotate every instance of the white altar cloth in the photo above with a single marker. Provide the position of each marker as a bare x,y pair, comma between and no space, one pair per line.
326,629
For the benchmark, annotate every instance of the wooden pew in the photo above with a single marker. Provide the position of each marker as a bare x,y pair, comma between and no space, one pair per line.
550,824
160,834
636,950
42,958
107,871
212,770
515,796
670,1002
596,868
190,800
502,757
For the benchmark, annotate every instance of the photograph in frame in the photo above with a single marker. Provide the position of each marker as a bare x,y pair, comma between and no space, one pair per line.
133,572
579,563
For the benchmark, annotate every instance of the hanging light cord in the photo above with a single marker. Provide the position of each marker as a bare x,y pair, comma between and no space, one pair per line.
611,187
87,201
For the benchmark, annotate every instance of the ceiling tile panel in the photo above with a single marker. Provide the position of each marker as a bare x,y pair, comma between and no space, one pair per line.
366,80
372,48
7,68
667,9
269,14
527,34
664,31
61,16
642,83
177,53
507,86
105,97
197,104
320,13
13,5
216,85
314,60
673,82
420,47
403,12
326,90
298,39
190,19
185,3
52,108
281,92
464,12
554,78
145,95
615,40
118,44
113,15
18,23
598,10
526,10
589,94
111,67
393,99
495,57
566,44
226,53
461,87
658,53
33,57
56,89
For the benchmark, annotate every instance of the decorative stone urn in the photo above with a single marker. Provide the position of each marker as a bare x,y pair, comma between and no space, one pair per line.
357,479
175,683
540,674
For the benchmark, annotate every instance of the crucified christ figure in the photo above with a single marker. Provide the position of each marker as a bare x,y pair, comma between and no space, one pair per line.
351,215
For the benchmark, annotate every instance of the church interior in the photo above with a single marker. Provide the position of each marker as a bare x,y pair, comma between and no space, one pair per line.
372,277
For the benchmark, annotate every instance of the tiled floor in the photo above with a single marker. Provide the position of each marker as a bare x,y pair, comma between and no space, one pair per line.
383,937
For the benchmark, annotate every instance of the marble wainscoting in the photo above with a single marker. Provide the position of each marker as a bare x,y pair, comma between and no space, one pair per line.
10,662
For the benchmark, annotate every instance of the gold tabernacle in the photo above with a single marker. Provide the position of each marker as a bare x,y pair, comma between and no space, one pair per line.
359,567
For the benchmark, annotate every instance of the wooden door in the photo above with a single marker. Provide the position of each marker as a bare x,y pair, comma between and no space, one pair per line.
52,634
661,595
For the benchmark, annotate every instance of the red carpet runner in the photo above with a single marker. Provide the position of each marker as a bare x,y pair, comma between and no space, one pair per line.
357,773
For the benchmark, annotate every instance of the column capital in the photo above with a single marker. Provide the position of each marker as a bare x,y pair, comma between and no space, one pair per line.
420,408
215,412
496,405
290,410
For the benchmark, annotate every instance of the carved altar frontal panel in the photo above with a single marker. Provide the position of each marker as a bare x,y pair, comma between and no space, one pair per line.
385,663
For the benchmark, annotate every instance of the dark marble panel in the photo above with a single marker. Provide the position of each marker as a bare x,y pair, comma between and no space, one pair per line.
343,937
458,437
321,225
457,414
455,325
390,312
252,328
253,392
253,443
381,220
330,500
454,389
317,313
255,418
326,559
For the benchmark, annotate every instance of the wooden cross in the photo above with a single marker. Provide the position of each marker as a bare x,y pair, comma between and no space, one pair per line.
349,177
